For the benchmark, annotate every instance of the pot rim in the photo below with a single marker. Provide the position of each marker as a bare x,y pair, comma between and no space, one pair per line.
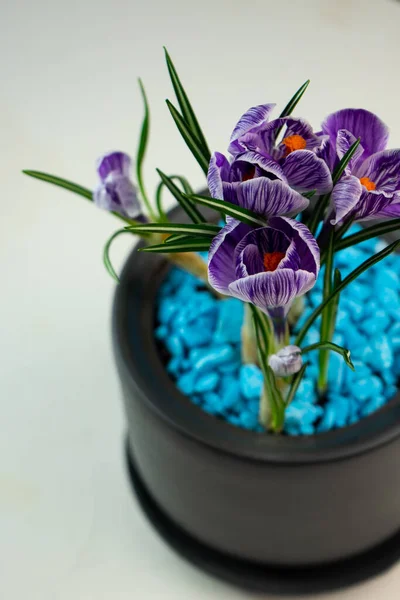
146,377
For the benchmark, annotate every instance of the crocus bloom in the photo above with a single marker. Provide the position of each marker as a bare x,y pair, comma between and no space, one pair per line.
370,187
294,160
116,191
268,266
286,361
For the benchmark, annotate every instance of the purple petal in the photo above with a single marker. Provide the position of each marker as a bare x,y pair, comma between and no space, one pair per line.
270,198
305,243
249,262
221,264
118,194
251,119
271,289
266,163
113,162
305,172
304,281
345,197
362,124
218,171
383,168
266,239
373,204
326,151
344,141
392,211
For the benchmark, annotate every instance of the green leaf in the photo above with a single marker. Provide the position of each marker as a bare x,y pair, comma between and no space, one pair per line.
338,171
141,152
291,105
185,106
295,384
187,245
333,348
205,229
183,199
70,186
328,317
106,254
186,188
60,182
239,213
310,194
191,141
175,237
368,233
346,281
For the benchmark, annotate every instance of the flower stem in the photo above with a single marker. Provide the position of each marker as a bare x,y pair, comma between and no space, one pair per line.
327,320
249,338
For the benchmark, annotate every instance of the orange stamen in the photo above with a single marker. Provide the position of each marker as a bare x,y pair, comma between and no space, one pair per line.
272,260
366,182
294,142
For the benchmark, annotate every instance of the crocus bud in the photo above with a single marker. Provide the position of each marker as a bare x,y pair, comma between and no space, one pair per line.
286,361
116,191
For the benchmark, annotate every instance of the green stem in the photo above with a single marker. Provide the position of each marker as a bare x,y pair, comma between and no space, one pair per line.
249,338
326,329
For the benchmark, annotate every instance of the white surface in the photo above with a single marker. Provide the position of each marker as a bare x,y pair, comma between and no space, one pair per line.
70,528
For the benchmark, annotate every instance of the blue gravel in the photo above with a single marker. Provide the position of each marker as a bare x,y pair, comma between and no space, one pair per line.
202,336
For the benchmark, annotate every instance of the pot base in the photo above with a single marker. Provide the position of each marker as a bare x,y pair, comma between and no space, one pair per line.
263,578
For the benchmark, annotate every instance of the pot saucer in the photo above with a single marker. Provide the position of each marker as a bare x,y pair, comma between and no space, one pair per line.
258,577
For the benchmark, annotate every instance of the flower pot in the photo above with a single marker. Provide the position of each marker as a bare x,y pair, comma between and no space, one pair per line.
266,512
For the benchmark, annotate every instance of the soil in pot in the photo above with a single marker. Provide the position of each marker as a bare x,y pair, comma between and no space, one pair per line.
201,336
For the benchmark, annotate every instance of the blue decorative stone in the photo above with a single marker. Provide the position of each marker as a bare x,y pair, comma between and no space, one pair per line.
251,381
206,383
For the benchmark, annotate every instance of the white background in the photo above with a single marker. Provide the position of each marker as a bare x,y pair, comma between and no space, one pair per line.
69,526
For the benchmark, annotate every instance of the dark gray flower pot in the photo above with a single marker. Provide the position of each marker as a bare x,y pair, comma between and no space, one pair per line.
270,513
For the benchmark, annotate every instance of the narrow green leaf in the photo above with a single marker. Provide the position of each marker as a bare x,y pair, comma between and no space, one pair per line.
141,152
184,200
338,172
239,213
186,188
191,141
291,105
205,229
346,281
187,245
368,233
337,278
310,194
332,347
60,182
185,106
176,237
295,384
106,254
70,186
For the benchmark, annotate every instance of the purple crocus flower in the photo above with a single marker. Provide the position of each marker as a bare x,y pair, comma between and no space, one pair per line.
268,266
294,160
370,187
116,191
